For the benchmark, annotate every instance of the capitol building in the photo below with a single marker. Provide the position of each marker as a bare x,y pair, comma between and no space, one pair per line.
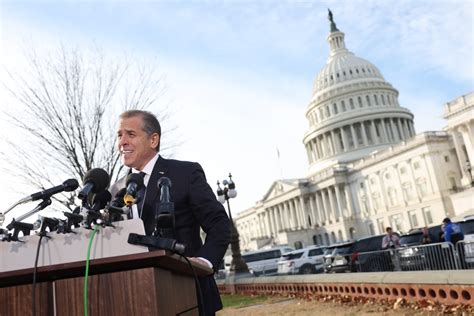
368,169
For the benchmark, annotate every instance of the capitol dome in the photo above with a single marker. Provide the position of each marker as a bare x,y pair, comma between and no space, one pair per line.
342,67
353,111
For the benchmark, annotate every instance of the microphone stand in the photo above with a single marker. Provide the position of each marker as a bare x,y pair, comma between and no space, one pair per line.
2,215
72,219
19,226
90,216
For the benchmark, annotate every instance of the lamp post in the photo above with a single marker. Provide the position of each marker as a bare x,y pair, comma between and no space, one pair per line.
228,191
469,172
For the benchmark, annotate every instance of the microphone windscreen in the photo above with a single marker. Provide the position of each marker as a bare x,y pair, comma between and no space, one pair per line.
98,177
137,179
164,181
102,198
70,185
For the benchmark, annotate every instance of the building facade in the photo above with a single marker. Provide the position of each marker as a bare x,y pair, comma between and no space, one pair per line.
368,169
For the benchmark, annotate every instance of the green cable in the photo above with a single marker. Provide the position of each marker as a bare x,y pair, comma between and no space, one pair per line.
96,227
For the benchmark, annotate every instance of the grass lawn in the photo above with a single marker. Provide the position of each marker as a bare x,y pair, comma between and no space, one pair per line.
237,300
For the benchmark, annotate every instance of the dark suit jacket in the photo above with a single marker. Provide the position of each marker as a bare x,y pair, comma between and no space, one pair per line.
195,206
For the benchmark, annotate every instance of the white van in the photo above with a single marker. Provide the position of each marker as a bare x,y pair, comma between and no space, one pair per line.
265,261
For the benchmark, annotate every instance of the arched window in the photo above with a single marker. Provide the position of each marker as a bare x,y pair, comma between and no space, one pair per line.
407,191
392,197
421,187
351,103
352,233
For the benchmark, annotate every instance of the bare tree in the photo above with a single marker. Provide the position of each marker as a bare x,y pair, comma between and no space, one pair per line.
67,110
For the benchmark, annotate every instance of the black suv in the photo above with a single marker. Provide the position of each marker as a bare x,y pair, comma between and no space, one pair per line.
337,257
368,257
438,255
412,257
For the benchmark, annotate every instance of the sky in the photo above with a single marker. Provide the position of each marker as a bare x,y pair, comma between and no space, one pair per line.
239,74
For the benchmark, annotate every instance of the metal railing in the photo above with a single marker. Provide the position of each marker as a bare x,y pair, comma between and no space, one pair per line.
465,252
436,256
376,261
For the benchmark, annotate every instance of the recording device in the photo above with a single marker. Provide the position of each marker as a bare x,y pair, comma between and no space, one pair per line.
24,228
72,220
46,222
95,180
134,184
67,186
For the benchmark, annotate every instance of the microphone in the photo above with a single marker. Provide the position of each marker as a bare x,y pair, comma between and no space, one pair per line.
95,180
134,184
68,186
165,215
117,207
118,201
100,200
164,184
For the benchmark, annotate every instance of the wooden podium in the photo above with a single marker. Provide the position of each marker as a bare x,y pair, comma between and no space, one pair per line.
152,283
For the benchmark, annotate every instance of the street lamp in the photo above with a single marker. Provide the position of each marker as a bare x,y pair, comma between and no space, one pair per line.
469,171
228,191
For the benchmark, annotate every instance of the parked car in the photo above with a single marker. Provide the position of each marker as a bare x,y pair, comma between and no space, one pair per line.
437,255
368,255
303,261
265,261
337,257
411,256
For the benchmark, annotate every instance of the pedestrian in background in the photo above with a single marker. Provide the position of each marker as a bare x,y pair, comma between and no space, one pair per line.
392,241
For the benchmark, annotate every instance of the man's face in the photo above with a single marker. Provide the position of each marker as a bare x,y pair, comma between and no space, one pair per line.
135,146
389,231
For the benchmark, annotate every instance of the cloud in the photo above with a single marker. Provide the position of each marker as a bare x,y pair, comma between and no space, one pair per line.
241,73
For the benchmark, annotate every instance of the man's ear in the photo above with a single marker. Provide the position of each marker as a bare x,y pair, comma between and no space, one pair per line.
155,140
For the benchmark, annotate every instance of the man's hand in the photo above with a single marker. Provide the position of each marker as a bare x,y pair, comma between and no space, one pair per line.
201,261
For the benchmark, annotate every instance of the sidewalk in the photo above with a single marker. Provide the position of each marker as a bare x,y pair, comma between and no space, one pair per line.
276,306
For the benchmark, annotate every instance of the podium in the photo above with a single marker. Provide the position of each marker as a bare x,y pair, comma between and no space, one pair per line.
153,283
124,279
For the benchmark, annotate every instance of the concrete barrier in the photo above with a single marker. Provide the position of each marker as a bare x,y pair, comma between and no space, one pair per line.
446,287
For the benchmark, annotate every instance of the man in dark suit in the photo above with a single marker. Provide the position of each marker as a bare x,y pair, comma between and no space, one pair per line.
195,204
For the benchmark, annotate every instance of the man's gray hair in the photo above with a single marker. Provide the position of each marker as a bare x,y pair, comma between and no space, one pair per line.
150,122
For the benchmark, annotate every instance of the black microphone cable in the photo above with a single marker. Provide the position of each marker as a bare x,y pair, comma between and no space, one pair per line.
34,273
198,286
